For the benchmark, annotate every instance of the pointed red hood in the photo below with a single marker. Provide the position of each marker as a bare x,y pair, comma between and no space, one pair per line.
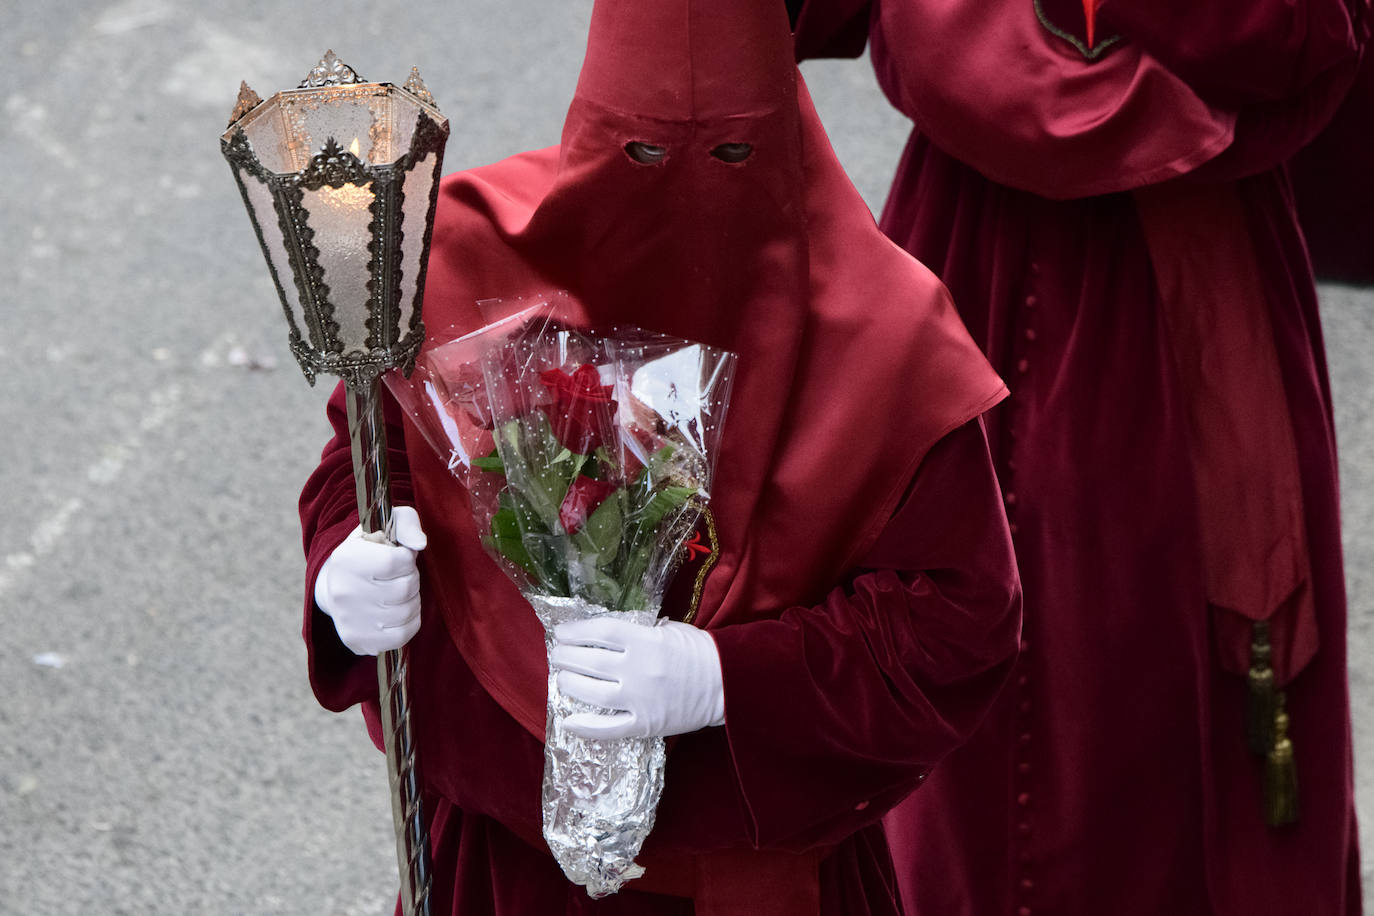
852,361
689,61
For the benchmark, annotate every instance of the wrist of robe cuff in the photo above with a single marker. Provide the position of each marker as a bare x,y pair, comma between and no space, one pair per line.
801,786
338,677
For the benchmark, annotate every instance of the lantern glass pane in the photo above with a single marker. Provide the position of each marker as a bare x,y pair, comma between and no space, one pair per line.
419,182
274,248
348,114
269,132
404,112
341,220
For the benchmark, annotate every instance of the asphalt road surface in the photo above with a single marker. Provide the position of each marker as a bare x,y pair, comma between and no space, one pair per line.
160,751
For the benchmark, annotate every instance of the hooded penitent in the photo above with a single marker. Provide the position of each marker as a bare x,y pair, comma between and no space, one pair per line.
695,194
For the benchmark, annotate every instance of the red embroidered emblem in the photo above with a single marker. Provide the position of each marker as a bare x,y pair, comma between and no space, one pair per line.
698,557
695,545
1075,21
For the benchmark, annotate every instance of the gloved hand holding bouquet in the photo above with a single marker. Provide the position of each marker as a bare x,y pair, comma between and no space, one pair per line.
588,460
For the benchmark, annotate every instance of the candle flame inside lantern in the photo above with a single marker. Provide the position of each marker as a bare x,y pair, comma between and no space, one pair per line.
351,196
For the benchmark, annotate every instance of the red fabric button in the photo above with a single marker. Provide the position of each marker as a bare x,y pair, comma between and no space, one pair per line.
1023,768
1025,737
1023,911
1023,799
1027,884
1010,497
1022,365
1032,301
1030,333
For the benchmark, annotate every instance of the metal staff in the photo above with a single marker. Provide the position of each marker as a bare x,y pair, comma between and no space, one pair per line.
340,177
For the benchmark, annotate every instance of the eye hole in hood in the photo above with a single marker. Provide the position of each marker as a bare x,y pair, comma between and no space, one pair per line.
645,153
733,152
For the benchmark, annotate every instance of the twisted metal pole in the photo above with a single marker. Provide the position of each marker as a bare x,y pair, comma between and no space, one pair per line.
367,436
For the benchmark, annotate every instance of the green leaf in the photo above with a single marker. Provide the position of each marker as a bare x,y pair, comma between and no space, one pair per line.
633,598
506,539
596,586
660,504
603,529
549,552
528,448
518,535
490,462
579,462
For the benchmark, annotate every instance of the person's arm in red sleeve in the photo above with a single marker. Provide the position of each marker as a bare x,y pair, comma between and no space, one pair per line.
1284,66
329,512
1240,52
833,714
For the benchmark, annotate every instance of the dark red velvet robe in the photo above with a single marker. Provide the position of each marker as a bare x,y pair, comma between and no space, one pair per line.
833,713
1113,777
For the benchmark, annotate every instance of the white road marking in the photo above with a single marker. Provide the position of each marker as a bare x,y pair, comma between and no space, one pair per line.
49,531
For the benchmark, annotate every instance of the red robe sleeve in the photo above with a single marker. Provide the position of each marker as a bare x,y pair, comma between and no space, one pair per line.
1241,52
838,710
329,512
1284,66
833,714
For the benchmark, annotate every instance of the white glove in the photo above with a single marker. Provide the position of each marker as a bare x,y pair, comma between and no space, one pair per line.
372,589
661,680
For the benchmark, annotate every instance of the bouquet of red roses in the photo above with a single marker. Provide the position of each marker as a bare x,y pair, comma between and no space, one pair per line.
588,460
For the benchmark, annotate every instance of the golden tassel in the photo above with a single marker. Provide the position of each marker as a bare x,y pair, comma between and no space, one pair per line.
1263,706
1281,774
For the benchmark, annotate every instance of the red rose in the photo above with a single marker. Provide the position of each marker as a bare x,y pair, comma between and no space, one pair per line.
583,497
582,411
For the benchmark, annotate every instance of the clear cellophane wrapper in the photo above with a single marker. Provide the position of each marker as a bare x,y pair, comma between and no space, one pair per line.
588,460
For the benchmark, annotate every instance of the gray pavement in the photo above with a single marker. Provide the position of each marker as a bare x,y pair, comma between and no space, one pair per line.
159,749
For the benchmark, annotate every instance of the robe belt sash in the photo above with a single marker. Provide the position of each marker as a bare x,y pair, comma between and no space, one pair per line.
1218,325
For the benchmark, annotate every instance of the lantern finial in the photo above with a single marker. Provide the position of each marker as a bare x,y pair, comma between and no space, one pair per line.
330,71
248,100
416,87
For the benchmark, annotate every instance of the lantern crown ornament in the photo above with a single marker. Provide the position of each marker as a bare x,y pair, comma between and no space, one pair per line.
340,177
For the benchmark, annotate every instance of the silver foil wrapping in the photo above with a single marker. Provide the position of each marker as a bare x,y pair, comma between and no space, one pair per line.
599,797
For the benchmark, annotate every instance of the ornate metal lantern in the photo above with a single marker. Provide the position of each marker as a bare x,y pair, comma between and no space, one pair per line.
340,177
